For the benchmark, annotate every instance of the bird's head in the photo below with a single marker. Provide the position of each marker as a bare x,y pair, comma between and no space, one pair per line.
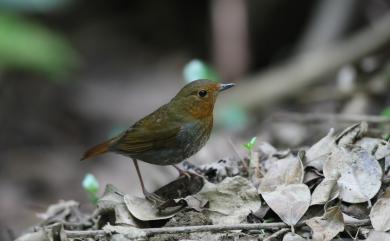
199,96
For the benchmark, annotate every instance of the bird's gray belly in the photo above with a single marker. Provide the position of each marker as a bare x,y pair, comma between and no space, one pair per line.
190,140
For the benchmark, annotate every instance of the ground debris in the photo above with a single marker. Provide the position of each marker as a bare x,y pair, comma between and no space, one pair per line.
337,187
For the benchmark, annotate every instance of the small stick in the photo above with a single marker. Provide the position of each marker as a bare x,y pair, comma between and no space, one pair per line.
201,228
275,235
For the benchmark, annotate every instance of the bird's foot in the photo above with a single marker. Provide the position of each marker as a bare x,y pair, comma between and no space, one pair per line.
184,173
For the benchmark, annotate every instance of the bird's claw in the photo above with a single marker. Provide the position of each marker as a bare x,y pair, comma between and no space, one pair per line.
154,198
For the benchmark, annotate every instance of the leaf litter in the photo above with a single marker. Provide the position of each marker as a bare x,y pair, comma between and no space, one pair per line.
335,188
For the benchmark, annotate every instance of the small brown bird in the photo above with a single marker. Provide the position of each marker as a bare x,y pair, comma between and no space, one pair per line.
172,133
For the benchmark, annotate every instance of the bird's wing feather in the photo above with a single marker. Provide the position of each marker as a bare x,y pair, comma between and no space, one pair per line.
152,132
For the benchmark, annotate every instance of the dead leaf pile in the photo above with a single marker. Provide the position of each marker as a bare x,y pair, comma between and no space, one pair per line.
337,188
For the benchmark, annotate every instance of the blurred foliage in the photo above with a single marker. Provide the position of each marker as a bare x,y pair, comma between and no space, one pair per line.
386,112
91,186
197,69
33,5
29,46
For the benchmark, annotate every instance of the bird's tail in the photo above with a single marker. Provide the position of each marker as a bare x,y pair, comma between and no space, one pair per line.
98,149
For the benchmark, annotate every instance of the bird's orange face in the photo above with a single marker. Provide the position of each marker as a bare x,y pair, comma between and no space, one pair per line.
199,96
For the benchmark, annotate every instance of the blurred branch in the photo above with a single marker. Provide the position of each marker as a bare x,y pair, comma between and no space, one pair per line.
329,22
321,117
278,82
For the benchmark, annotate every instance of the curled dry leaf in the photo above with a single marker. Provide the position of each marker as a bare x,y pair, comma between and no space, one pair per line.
284,171
325,228
144,210
377,147
351,134
289,202
380,213
318,153
326,191
358,174
229,201
293,237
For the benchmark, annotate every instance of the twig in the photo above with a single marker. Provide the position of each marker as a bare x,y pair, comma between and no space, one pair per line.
321,117
277,234
192,229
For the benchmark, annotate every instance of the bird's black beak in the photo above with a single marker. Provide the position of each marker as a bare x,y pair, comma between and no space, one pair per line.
223,87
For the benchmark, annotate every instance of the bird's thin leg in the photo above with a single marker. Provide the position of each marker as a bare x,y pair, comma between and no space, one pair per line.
148,195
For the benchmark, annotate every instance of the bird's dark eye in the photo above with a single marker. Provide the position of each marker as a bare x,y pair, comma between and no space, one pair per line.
202,93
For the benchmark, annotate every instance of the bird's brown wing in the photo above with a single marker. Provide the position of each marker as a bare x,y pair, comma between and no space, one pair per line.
138,140
157,130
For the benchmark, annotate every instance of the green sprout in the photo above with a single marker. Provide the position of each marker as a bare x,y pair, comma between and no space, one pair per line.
91,186
249,146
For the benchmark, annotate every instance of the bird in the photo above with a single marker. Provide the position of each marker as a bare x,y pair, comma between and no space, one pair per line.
172,133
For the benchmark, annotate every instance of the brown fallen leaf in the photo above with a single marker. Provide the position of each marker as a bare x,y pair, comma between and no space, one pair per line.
325,228
293,237
289,202
318,153
288,170
378,236
380,213
358,173
326,191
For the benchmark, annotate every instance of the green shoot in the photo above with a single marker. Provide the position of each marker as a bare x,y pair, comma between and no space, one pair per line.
249,146
91,186
252,156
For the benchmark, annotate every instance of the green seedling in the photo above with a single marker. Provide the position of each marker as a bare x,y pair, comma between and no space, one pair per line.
91,186
252,154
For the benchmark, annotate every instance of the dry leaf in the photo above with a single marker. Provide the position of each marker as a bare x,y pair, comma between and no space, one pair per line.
284,171
351,134
326,191
378,236
293,237
289,202
144,210
358,173
229,201
377,147
318,153
325,228
113,200
380,213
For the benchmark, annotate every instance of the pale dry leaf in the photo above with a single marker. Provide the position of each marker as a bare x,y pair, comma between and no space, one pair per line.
292,237
113,200
378,236
289,202
284,171
375,146
358,174
326,191
230,201
318,153
144,210
380,213
352,134
325,228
